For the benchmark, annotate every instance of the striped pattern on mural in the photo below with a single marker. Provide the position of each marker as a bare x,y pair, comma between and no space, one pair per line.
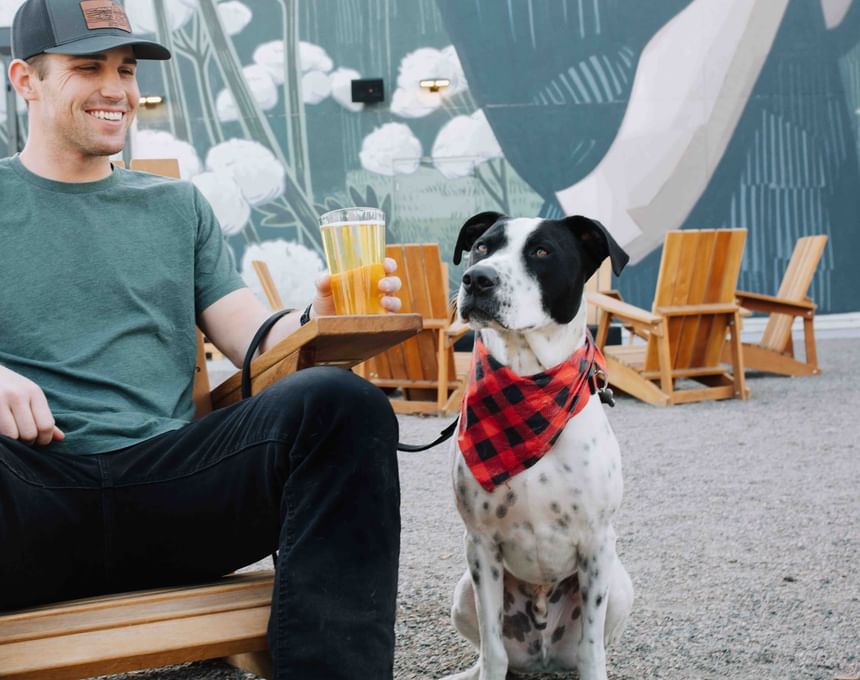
600,79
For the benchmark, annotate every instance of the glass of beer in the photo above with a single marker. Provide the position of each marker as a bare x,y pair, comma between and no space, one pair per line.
354,243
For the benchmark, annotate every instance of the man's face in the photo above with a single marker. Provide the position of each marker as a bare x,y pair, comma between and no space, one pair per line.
85,104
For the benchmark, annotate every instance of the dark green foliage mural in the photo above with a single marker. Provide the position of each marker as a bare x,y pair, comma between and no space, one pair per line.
648,116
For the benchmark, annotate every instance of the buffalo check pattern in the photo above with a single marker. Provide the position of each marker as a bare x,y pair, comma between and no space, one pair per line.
508,421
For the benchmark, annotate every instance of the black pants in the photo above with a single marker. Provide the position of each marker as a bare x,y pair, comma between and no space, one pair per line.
307,467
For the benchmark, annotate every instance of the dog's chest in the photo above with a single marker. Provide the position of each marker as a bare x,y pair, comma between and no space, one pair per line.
540,516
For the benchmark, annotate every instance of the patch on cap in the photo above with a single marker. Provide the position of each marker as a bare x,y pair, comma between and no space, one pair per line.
104,14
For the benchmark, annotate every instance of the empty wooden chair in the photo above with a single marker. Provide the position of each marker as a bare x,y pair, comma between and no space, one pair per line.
774,353
426,368
685,332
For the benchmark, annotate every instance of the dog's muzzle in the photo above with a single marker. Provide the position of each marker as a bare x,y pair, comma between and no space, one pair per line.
478,289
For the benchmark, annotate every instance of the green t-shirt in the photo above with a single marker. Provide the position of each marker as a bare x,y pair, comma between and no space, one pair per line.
101,285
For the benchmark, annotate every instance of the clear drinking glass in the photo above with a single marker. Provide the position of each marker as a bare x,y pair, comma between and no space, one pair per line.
354,243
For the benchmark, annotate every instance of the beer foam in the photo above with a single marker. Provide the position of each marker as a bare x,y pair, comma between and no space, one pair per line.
355,223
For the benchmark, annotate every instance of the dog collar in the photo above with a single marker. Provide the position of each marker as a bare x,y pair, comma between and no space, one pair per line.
508,421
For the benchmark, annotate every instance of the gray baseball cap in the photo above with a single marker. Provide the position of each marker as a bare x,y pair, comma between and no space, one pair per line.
76,27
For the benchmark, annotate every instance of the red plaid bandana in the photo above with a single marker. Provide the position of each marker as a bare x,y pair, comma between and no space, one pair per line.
508,421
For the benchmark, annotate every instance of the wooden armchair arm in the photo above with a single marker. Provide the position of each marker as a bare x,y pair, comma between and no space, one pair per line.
622,310
324,341
759,302
704,309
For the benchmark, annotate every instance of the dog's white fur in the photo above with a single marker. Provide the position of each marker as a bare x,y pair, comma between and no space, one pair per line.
526,540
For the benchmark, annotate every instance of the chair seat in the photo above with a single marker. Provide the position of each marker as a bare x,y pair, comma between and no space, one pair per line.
118,633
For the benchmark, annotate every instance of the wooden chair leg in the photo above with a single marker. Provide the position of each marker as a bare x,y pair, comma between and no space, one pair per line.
741,391
602,329
442,375
667,383
809,342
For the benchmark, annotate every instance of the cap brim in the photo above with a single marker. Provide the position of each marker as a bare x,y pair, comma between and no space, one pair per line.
143,49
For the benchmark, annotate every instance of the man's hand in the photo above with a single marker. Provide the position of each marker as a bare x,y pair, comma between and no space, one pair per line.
24,411
389,285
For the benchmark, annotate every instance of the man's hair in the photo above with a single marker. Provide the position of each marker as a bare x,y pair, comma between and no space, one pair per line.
39,63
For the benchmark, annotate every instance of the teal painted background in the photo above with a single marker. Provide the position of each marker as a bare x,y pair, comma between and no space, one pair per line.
647,116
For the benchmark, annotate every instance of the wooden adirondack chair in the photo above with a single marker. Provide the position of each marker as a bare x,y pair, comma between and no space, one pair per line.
774,353
227,618
431,375
694,308
270,290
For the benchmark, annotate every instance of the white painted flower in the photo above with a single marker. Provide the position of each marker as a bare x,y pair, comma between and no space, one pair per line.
316,86
341,88
254,168
234,16
391,149
226,199
463,143
262,88
141,14
270,55
293,267
410,100
314,58
162,144
7,11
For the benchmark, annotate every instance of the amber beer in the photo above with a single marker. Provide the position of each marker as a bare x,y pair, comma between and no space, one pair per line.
354,243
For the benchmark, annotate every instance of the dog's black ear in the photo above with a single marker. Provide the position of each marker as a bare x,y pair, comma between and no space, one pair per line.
598,243
472,229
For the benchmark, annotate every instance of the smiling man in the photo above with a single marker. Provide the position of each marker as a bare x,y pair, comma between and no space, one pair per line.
106,272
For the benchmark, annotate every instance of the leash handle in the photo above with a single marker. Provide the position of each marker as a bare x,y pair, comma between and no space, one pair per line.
443,435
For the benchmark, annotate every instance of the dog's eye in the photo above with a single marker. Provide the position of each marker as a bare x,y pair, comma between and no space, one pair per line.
481,248
540,252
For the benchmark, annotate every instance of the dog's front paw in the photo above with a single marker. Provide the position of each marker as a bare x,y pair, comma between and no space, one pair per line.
474,673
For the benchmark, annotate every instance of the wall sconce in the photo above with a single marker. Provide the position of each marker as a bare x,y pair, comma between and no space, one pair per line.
434,84
151,101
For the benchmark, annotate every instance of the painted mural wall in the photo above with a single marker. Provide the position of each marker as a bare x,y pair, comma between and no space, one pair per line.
649,116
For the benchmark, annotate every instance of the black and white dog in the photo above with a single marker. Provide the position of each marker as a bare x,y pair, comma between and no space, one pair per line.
543,589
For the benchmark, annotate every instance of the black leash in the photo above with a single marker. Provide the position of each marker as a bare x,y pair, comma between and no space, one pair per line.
443,435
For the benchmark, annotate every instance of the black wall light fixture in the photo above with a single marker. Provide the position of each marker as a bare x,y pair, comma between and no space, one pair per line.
368,90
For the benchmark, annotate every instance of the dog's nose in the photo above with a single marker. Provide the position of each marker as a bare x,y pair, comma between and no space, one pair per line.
480,279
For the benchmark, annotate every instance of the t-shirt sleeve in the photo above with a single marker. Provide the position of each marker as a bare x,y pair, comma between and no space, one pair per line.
215,272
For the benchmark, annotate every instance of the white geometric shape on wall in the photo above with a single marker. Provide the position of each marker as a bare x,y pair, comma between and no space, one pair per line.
262,87
316,86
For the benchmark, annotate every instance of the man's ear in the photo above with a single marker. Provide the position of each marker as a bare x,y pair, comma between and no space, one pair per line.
598,243
21,76
472,229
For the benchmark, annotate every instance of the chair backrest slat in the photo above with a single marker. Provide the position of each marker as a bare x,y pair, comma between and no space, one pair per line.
697,267
794,287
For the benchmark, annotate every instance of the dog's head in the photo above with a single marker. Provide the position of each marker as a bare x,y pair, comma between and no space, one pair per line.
525,273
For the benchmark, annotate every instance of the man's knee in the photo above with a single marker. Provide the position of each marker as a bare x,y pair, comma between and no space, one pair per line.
334,400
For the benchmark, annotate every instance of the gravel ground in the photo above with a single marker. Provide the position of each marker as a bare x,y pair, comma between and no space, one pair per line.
740,528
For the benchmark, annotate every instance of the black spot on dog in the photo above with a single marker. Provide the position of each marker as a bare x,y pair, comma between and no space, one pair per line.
534,647
501,511
510,498
555,507
495,572
543,479
508,599
476,578
486,505
516,626
599,599
577,612
557,634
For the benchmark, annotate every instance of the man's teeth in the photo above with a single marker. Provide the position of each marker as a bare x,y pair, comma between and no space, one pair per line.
107,115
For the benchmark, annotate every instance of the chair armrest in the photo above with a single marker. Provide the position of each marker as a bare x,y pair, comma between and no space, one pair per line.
622,310
705,309
324,341
456,330
758,302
